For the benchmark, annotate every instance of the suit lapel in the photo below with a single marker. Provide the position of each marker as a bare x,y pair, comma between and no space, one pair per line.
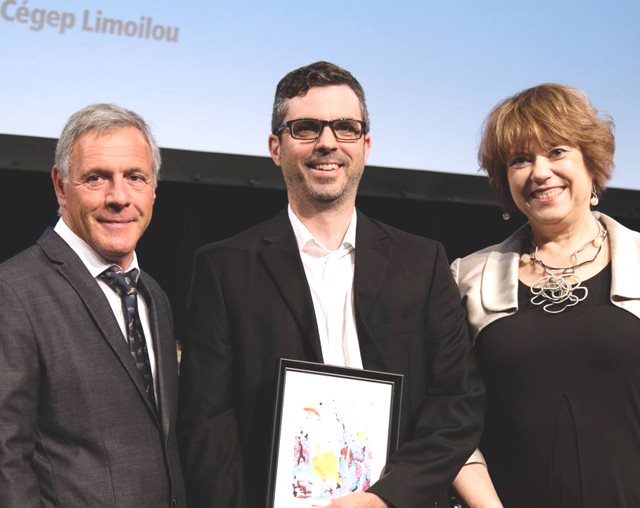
499,286
165,353
625,270
373,249
76,274
281,259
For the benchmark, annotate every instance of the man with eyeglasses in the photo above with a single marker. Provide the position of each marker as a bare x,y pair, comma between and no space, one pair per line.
322,282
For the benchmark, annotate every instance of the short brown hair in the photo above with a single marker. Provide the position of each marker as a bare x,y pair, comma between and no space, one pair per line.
537,119
298,82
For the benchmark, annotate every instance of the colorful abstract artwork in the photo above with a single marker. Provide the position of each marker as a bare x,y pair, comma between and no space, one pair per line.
331,453
333,438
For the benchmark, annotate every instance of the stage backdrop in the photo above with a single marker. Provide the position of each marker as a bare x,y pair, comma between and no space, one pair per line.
204,72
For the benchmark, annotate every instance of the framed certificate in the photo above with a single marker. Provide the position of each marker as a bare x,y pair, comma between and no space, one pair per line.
334,429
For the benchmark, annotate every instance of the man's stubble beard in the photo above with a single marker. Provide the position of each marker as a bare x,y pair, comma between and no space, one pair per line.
327,200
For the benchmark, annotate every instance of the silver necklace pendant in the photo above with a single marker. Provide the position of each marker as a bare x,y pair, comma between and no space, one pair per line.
556,292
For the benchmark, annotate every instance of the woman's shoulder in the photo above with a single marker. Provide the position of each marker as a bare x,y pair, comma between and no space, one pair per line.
499,252
617,230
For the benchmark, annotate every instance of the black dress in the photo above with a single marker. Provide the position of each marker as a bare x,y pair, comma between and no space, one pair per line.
562,424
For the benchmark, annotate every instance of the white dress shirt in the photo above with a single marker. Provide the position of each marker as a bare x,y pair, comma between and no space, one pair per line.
96,264
330,277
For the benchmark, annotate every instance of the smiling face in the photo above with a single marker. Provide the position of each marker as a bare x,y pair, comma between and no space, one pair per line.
323,173
550,188
108,198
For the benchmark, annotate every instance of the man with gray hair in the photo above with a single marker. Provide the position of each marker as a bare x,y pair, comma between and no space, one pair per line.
88,368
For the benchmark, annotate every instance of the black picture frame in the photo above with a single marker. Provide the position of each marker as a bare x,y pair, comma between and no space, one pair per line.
334,429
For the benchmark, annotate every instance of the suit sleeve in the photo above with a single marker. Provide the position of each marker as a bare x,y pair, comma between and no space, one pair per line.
448,425
19,379
207,424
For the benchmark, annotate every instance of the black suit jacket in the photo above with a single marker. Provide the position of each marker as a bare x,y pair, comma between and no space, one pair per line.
76,429
250,305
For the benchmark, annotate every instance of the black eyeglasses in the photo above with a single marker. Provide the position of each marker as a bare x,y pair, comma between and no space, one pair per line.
309,129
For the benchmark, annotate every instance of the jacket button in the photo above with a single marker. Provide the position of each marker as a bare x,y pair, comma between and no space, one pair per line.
174,502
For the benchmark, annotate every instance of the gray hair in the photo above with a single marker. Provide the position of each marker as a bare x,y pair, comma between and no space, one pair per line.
101,118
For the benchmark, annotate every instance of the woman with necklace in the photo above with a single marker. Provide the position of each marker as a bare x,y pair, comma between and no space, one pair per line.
554,312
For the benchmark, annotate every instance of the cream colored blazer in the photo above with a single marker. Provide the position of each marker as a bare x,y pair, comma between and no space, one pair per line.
488,279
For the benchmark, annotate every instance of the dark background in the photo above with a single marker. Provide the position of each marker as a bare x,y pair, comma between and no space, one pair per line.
204,197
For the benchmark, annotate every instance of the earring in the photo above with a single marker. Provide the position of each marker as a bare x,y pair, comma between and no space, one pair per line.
506,216
594,197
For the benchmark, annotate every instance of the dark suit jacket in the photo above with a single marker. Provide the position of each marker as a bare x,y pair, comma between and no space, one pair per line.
250,305
76,429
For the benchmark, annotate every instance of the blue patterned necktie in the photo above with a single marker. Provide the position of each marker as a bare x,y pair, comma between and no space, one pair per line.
124,284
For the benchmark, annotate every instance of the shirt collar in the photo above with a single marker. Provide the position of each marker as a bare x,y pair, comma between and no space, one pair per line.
305,239
94,262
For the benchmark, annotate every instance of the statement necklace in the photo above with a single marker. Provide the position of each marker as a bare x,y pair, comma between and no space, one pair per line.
557,291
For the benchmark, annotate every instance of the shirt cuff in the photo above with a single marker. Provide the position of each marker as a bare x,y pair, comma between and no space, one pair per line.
476,458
